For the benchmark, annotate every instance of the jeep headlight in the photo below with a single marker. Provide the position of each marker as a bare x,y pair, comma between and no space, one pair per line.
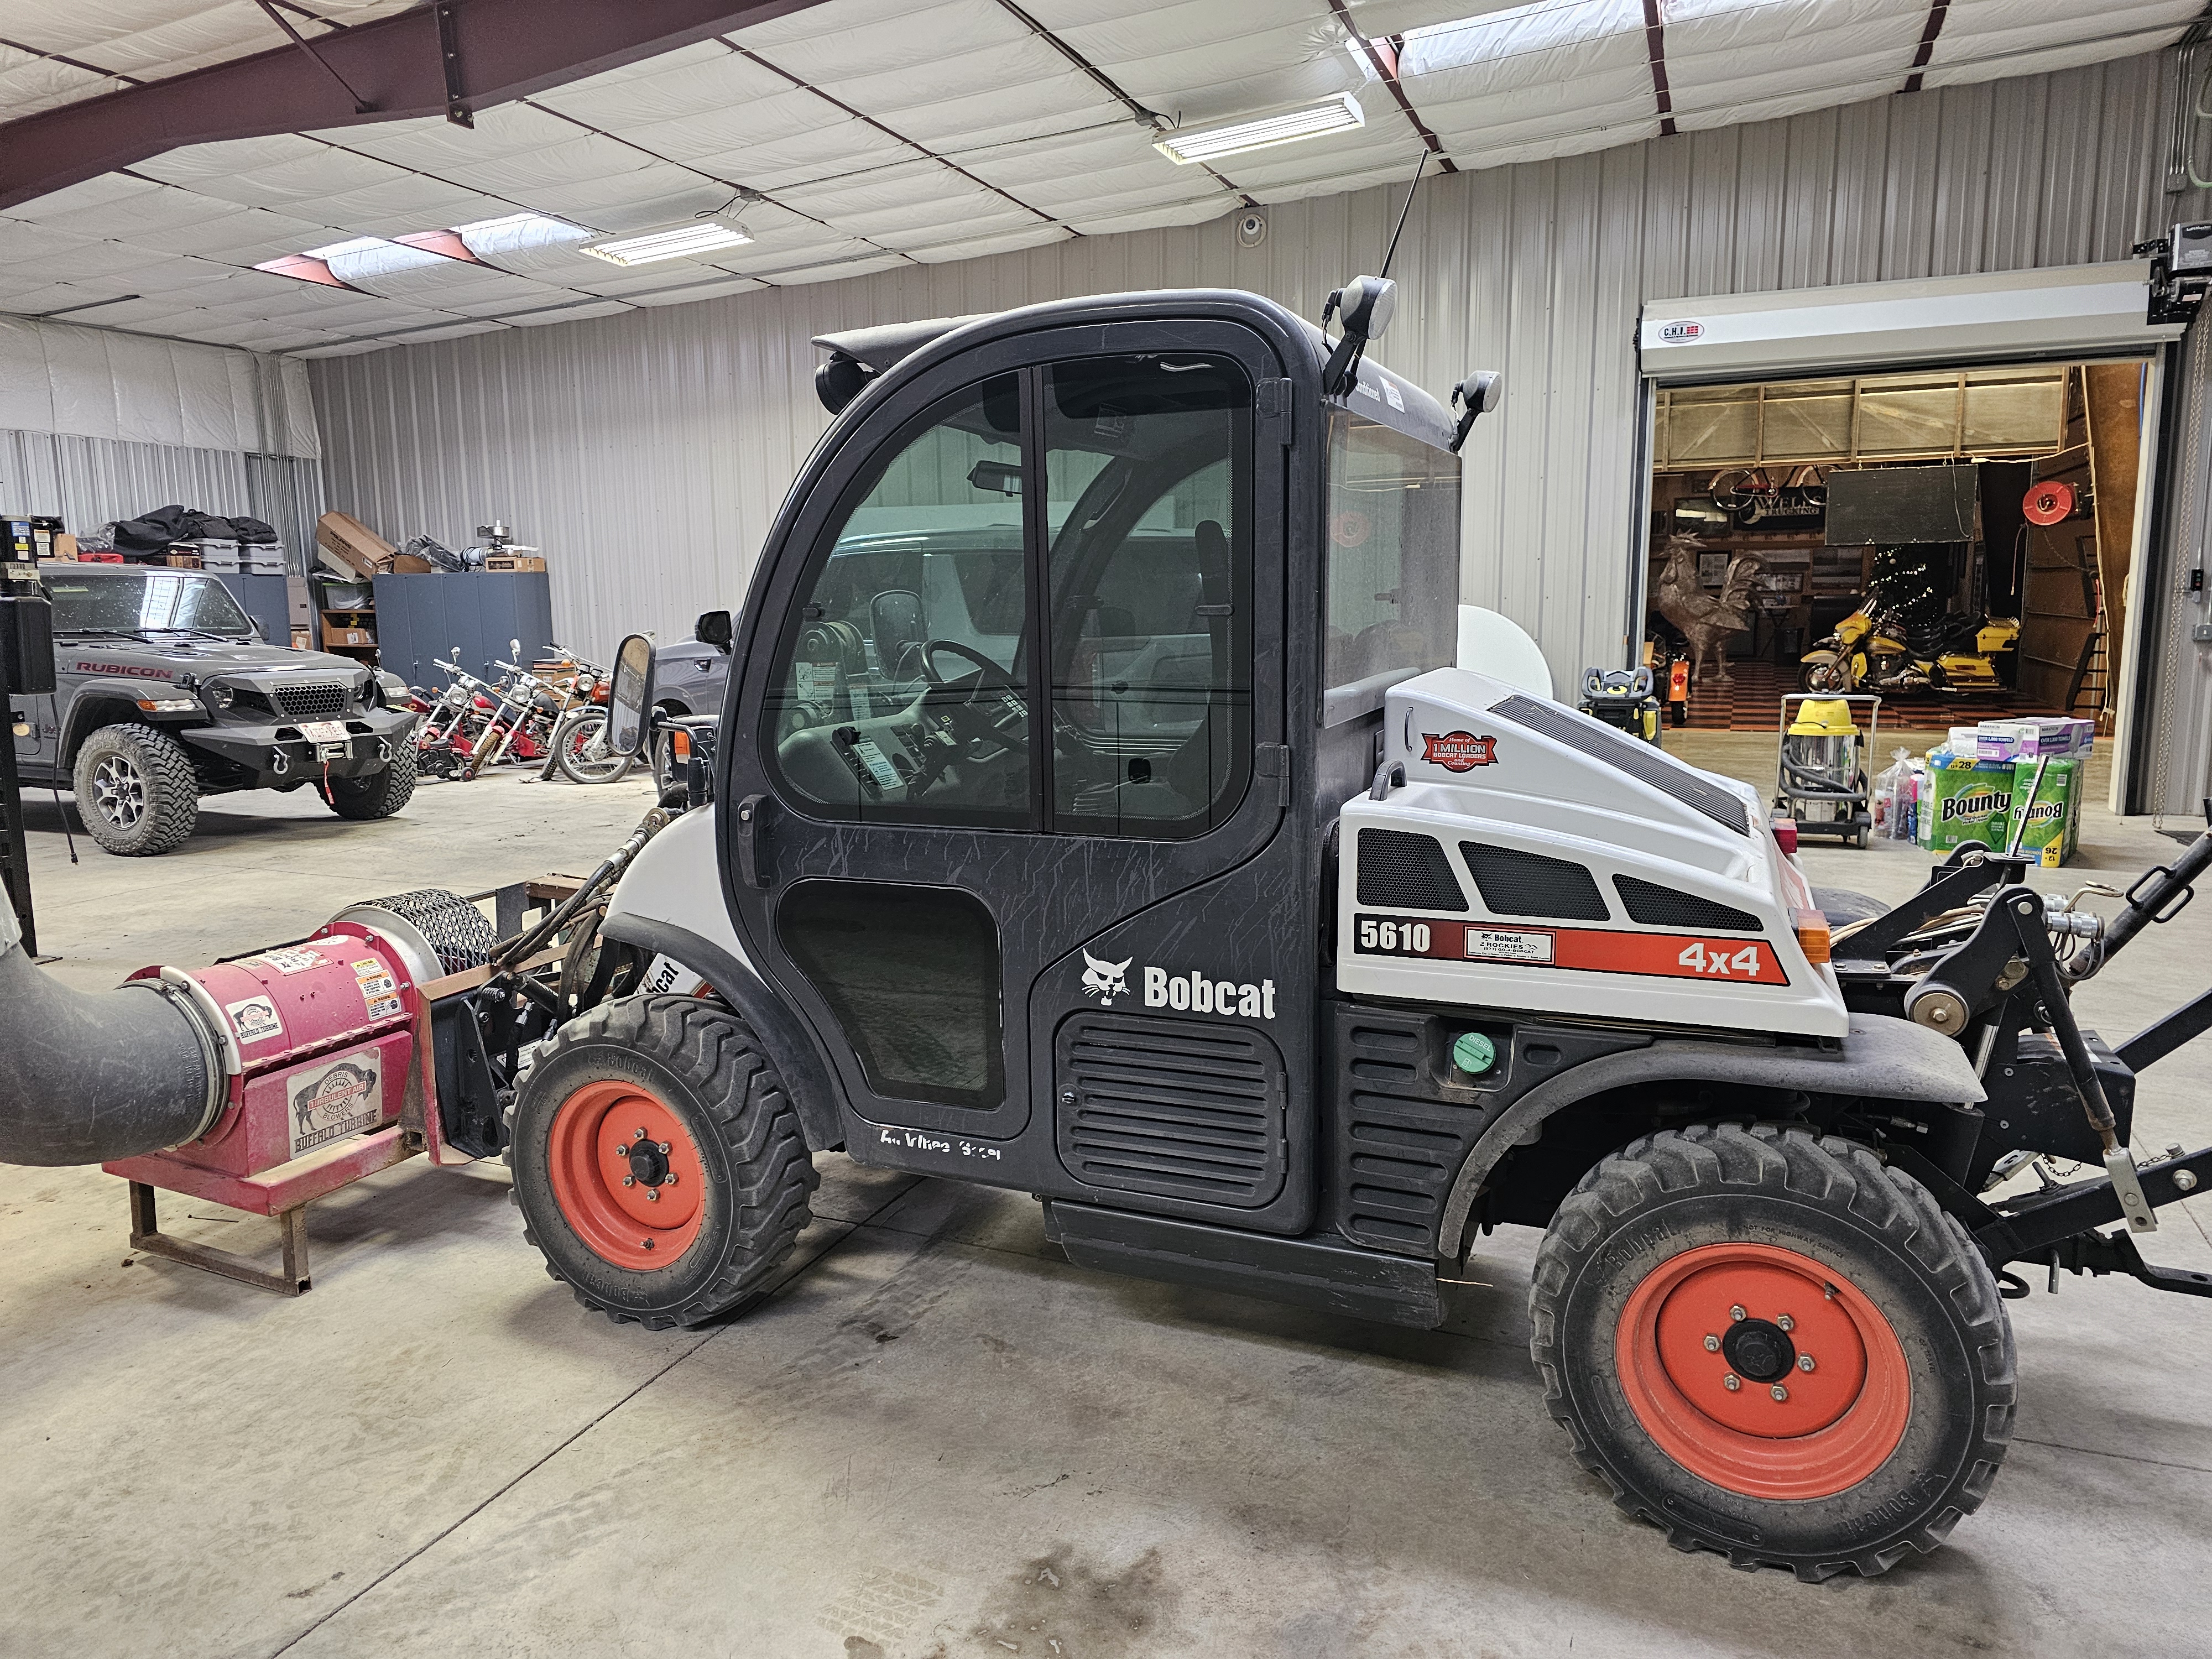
219,696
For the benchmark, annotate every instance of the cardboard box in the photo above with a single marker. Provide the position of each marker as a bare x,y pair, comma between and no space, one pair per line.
1966,799
513,562
338,634
303,639
411,564
354,546
177,560
2053,816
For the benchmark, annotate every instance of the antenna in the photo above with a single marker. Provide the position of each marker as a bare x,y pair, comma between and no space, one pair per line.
1391,252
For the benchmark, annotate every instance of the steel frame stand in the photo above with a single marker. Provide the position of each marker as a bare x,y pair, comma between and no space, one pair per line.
146,1235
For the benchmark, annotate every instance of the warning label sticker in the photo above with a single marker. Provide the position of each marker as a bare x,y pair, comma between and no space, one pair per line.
378,994
255,1019
331,1101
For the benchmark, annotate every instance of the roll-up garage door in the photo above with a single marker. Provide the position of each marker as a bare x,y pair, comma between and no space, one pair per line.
2070,312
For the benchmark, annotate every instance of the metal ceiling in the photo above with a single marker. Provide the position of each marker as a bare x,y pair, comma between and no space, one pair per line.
872,134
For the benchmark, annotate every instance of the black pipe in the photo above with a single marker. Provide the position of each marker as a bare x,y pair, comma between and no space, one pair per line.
2159,893
89,1076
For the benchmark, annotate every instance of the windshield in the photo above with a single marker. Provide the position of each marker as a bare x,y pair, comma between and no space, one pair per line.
1393,584
145,601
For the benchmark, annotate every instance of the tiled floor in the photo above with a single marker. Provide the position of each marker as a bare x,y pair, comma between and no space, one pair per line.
1752,701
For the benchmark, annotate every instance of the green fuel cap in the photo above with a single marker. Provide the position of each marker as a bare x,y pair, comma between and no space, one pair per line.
1473,1053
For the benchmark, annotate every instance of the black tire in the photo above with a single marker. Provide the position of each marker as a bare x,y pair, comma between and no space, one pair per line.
569,754
705,1068
379,794
136,790
1914,1270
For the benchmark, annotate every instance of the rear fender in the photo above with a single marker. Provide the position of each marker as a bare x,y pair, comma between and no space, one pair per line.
1881,1059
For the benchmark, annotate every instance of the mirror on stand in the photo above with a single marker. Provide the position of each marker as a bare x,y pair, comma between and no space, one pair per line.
631,696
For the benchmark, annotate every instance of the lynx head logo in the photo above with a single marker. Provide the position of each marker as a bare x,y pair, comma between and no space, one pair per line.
1105,980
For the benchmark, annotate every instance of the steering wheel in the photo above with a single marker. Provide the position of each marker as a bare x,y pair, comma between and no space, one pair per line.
978,717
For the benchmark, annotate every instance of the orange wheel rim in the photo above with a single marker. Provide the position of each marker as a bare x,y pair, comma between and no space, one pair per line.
1712,1352
627,1175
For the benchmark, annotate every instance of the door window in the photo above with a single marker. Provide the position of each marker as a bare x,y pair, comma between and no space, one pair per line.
1393,562
1148,469
912,976
899,694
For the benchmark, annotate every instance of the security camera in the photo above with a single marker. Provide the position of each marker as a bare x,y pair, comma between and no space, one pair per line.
1251,229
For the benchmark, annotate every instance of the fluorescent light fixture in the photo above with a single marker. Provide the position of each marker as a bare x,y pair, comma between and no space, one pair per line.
1340,114
703,236
514,222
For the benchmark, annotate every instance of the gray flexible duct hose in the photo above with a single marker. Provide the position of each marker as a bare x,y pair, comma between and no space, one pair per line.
87,1077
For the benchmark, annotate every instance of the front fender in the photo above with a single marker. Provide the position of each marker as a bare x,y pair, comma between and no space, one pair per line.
1882,1058
812,1095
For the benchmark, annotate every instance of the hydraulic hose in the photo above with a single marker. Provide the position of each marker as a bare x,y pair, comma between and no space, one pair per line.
86,1077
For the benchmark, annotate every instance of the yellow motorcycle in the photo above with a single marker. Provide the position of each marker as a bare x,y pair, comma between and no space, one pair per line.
1871,653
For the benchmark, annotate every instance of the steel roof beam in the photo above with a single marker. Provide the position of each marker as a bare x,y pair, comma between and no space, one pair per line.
506,49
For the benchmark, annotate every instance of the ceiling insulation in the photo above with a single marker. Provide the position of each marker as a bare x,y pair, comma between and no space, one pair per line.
855,136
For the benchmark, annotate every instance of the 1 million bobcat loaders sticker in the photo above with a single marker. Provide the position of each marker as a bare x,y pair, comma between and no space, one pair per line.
1458,752
334,1101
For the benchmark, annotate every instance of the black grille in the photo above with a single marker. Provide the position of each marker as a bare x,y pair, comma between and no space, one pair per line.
316,701
1665,907
1406,873
1640,760
1179,1109
1517,883
1398,1146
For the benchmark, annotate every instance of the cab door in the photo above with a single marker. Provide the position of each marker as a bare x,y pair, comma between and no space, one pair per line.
1007,781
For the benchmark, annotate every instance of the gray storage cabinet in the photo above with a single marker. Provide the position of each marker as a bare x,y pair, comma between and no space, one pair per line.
262,598
422,618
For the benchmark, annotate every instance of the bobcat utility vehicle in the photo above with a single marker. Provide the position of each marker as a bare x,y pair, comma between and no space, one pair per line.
1096,812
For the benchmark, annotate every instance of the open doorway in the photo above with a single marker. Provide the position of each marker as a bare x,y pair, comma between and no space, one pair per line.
1957,538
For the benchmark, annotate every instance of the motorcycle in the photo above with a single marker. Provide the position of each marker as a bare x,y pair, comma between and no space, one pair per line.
1870,652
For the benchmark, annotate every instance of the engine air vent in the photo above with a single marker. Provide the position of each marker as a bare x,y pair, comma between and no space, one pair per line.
1182,1109
1406,873
1640,760
1517,883
1665,907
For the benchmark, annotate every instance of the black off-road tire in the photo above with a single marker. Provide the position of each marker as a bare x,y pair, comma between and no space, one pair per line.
1877,1229
379,794
706,1067
136,790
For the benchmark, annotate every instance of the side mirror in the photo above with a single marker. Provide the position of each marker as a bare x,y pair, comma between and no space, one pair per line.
714,628
631,697
1365,304
1477,394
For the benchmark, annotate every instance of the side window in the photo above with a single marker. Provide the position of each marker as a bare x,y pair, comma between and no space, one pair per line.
899,691
1148,472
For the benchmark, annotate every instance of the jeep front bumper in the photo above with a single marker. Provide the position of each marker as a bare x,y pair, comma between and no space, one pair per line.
287,753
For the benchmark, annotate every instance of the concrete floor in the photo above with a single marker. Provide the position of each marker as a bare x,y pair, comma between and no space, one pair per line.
937,1438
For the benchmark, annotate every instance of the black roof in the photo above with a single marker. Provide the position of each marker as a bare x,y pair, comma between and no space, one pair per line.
1380,395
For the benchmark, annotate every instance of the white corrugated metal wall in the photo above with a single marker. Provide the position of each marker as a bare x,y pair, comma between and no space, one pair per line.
647,453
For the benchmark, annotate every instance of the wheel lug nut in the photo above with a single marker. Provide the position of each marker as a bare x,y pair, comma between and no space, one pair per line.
629,1180
670,1182
1736,1313
1779,1392
664,1149
1785,1321
1804,1362
1713,1345
652,1194
1731,1381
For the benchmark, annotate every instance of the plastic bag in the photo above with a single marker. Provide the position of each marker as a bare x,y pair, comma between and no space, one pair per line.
1892,802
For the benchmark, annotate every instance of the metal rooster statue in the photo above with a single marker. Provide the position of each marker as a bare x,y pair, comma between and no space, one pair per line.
1706,619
